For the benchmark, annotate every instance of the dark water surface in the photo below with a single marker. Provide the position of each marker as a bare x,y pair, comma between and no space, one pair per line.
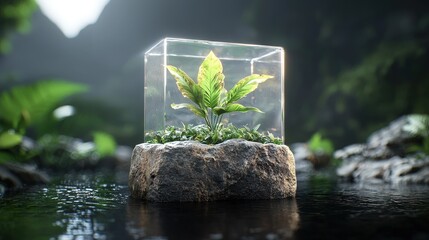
98,207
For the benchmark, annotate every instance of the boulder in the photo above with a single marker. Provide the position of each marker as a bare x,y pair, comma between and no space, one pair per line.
302,154
14,176
192,171
384,158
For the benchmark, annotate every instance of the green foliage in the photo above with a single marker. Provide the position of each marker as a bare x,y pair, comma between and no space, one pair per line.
319,145
203,134
9,139
105,144
15,15
418,125
22,106
62,152
211,99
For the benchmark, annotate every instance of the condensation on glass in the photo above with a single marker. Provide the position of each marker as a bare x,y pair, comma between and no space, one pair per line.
238,60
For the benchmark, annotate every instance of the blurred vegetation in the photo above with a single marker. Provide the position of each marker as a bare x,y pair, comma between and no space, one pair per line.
24,106
321,150
27,113
352,66
14,16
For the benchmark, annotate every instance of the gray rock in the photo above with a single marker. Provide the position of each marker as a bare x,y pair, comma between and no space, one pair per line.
393,133
396,170
14,176
302,154
191,171
384,158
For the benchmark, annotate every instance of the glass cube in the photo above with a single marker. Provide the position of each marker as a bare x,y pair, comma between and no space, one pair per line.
238,60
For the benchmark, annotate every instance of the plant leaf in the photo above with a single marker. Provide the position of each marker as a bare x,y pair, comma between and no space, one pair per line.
211,80
235,107
105,144
185,84
192,108
35,100
9,139
245,86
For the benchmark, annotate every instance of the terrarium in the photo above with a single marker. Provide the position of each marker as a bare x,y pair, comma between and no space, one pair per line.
238,60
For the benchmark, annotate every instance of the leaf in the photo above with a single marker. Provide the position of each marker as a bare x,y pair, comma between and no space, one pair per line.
319,144
9,139
195,110
35,100
211,80
185,84
245,86
105,144
6,157
235,107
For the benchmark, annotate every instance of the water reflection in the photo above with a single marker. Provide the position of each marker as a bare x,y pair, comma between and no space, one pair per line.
274,219
70,209
98,208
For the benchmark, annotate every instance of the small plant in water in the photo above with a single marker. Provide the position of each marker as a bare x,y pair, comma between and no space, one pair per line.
321,151
211,99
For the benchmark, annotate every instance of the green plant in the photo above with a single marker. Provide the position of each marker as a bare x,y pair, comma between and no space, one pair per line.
319,145
105,144
321,150
22,106
211,99
418,125
15,15
203,134
62,152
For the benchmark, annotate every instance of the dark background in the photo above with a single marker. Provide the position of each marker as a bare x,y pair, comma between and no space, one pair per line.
352,66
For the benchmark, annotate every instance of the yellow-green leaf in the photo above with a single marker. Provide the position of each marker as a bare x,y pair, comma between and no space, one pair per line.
234,107
192,108
185,84
105,144
9,139
211,80
245,86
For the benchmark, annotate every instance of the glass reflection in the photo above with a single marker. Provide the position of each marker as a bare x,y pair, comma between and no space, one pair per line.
270,219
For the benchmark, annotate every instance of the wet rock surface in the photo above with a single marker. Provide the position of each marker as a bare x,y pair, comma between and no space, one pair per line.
302,157
14,176
384,158
191,171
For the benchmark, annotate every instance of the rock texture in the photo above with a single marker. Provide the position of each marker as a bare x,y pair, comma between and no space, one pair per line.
302,156
14,176
191,171
384,158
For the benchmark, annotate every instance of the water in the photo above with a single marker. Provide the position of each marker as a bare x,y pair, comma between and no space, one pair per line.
98,207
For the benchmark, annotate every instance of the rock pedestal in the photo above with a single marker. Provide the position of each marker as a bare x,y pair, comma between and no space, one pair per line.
191,171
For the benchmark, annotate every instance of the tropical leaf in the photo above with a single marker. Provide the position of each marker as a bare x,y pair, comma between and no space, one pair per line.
105,144
195,110
234,107
245,86
211,80
9,139
35,100
185,84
